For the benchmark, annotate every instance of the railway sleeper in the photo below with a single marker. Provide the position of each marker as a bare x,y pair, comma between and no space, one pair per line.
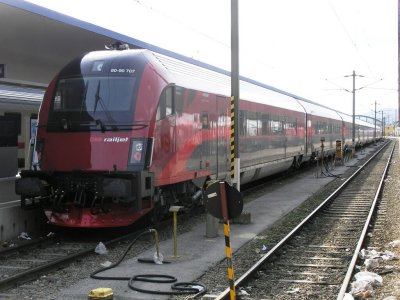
301,277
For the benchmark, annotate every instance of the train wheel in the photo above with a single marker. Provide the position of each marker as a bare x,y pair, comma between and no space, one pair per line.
297,161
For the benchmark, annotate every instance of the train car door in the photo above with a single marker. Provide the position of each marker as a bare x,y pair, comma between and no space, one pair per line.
222,137
166,129
284,136
206,127
309,135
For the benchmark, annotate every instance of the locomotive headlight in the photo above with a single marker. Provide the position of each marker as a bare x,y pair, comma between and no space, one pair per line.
136,155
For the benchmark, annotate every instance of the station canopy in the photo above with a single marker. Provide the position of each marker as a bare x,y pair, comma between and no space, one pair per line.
37,42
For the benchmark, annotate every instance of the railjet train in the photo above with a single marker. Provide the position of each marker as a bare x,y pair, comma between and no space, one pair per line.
128,133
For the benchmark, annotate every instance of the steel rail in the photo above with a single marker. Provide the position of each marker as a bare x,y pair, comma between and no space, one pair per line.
282,242
27,275
28,244
31,273
352,264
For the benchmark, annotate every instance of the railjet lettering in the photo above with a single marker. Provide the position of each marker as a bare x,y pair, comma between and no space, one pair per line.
116,139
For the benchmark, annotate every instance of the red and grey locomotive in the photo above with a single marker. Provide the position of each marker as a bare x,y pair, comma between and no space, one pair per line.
123,134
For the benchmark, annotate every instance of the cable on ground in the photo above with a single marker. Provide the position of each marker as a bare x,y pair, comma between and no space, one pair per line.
330,174
178,288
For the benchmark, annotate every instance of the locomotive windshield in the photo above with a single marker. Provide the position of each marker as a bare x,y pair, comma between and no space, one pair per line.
92,103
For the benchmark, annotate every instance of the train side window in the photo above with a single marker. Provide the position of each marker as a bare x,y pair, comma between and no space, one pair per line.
290,126
204,120
166,103
251,124
294,125
259,124
178,99
161,110
276,125
316,127
264,126
59,96
169,103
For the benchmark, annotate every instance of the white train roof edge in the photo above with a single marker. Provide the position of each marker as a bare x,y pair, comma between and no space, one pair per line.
208,79
211,79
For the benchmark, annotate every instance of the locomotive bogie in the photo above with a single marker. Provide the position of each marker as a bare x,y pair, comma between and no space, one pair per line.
118,198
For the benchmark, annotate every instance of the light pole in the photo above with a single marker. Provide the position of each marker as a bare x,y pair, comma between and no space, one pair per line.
353,137
375,124
354,109
235,159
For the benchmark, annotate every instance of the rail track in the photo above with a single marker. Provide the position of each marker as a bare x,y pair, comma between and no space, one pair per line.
317,258
24,263
30,267
31,260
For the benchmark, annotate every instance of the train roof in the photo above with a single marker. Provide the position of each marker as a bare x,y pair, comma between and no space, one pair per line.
366,124
319,110
207,79
211,79
219,82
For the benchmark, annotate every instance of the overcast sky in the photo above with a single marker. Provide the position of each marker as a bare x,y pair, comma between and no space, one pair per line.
304,47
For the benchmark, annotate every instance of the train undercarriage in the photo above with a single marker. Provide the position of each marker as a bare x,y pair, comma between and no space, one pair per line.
93,199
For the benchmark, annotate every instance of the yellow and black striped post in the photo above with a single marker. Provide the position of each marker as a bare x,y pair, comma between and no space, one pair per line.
228,250
235,91
232,138
235,160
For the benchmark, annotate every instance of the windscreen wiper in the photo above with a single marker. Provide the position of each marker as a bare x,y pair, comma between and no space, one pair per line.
84,96
99,123
97,97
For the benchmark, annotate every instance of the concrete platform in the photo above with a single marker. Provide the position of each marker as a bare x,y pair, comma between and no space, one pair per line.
14,220
197,252
7,189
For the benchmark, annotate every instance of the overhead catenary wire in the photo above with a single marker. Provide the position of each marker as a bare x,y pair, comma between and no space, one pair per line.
349,36
185,24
